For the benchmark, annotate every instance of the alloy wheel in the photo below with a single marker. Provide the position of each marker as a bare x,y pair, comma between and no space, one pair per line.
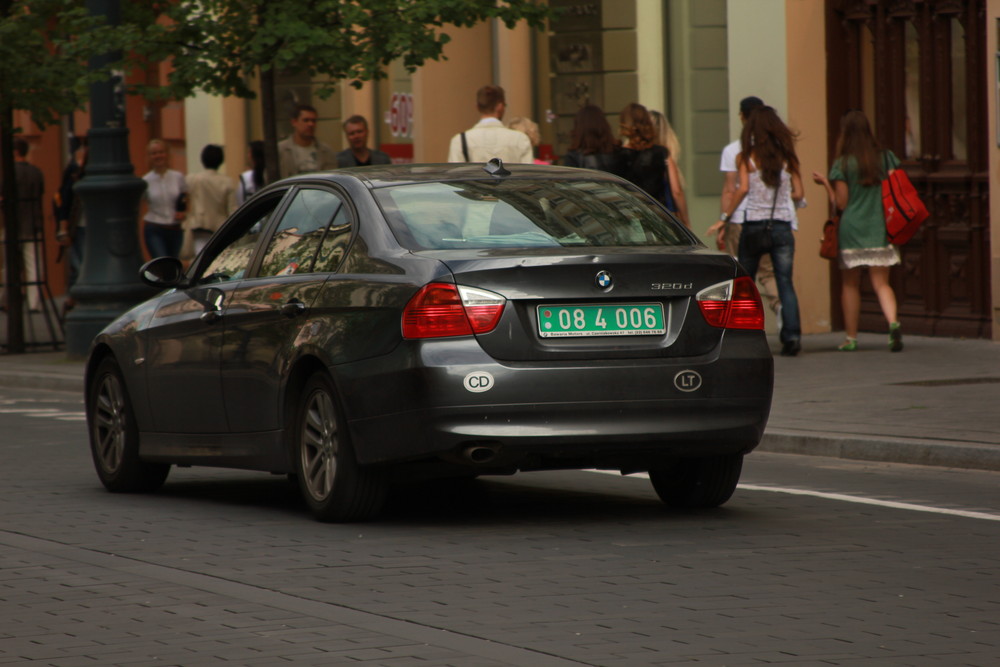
319,445
110,423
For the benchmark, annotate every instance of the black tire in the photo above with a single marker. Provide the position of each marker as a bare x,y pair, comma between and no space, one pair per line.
698,483
332,483
114,436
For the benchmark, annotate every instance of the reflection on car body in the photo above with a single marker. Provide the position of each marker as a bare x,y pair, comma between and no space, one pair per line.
349,327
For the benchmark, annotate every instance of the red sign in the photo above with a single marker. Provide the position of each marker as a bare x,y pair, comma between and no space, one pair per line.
399,117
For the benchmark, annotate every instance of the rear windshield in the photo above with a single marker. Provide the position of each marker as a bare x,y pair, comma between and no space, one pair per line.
514,213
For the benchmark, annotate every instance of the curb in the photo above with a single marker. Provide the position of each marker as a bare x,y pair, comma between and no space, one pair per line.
884,449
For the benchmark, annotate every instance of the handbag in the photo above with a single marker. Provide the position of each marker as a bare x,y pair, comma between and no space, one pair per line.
904,212
829,246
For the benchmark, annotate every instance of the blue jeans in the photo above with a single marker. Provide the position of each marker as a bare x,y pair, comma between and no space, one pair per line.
163,240
774,238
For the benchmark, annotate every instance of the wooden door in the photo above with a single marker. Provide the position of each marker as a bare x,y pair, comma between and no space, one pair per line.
917,68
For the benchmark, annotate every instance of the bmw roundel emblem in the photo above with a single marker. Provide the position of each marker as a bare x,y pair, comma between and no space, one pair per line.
603,279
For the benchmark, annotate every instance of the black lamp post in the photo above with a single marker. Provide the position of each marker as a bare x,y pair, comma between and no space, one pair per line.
108,283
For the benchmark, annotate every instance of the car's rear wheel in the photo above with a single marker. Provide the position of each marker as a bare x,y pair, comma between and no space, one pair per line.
334,486
698,483
114,436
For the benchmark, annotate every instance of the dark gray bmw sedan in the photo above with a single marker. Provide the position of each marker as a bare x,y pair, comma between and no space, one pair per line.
350,328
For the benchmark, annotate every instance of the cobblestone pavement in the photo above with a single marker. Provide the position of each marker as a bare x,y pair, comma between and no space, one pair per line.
571,568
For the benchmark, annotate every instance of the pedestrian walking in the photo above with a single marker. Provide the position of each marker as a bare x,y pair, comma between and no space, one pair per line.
71,224
254,178
728,233
529,128
359,154
674,188
592,143
166,193
30,189
646,161
770,182
302,152
854,186
490,138
211,198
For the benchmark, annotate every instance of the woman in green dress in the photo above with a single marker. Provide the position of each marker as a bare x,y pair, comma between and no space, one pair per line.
854,187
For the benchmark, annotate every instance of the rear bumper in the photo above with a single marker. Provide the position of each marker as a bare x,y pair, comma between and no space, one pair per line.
617,414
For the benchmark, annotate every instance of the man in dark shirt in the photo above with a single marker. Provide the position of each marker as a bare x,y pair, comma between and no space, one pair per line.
359,155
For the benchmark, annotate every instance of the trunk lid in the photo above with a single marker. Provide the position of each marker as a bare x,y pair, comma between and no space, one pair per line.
584,300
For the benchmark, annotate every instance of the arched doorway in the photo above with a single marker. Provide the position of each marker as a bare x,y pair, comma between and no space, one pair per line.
917,68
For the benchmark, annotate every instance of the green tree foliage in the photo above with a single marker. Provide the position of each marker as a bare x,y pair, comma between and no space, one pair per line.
219,45
45,48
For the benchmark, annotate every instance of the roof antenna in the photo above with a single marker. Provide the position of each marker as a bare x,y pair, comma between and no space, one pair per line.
495,168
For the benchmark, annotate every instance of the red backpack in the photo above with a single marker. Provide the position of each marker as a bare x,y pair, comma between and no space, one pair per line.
904,212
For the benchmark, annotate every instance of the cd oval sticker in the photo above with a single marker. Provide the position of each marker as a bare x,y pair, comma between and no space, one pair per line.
688,381
478,382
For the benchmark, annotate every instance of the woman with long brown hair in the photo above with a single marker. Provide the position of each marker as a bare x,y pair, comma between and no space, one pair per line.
592,143
646,161
769,179
857,173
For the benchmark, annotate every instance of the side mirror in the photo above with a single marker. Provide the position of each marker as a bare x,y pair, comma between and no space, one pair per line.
162,272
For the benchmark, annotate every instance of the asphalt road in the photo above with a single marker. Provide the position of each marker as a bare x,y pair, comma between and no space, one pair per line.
814,561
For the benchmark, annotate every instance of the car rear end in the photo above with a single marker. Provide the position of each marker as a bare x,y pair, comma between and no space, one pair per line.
576,325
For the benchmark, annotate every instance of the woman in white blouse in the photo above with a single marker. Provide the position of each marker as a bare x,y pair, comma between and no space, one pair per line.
165,191
772,185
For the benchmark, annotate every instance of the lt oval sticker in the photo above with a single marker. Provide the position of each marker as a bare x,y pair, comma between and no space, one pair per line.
478,382
688,381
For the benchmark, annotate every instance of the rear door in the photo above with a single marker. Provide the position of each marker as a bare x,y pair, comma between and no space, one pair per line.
266,311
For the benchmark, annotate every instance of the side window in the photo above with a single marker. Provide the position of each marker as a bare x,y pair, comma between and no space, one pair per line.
301,232
233,256
334,246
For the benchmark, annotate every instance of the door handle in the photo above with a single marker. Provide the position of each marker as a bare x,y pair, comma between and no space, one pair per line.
213,305
293,308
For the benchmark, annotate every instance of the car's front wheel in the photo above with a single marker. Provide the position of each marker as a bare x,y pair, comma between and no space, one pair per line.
334,486
698,483
114,436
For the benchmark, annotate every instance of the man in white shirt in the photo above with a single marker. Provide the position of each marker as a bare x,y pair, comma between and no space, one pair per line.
489,138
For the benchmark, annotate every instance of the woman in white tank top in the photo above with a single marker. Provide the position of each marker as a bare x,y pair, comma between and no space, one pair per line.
770,181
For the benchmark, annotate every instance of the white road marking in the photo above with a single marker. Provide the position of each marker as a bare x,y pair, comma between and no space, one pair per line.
860,500
842,497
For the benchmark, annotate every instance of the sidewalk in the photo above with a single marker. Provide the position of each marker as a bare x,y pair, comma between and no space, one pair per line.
936,403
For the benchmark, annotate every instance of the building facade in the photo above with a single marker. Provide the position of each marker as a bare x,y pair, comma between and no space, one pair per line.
925,71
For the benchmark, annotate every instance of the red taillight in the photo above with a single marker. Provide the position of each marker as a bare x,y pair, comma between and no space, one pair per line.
443,309
734,304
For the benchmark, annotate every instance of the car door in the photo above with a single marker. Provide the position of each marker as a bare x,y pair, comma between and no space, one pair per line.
184,337
266,312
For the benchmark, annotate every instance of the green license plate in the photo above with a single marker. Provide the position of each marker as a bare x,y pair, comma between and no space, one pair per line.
627,319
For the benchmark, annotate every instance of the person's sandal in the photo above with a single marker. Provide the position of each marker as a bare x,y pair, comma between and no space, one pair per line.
895,337
850,345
